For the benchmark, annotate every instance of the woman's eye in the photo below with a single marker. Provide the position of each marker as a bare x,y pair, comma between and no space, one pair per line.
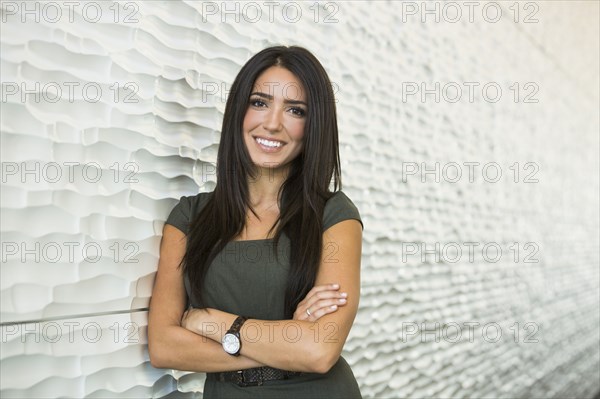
256,102
299,111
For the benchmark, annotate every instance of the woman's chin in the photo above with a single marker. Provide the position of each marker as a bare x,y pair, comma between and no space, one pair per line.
270,167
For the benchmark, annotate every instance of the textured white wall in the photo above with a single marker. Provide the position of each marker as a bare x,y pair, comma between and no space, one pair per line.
79,249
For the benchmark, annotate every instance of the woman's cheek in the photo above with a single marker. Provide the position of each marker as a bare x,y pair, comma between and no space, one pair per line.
299,131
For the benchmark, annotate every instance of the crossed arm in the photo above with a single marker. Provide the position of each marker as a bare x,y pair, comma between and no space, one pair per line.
192,340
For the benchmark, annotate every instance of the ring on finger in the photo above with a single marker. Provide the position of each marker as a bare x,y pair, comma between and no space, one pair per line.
308,312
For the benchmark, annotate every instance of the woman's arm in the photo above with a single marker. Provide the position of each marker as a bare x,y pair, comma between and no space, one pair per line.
299,345
169,344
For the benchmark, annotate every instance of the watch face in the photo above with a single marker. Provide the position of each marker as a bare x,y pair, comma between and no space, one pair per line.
231,343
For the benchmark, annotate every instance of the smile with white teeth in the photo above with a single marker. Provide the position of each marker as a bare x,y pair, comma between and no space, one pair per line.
268,143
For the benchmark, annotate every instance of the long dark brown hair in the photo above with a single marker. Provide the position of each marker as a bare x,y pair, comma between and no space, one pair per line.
301,197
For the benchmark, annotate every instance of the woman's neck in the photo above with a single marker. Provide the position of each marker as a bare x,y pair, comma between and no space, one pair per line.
265,188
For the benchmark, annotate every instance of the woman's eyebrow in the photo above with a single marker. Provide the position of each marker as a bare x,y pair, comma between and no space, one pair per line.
270,97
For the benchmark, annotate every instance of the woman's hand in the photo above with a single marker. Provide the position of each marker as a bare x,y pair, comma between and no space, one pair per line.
321,300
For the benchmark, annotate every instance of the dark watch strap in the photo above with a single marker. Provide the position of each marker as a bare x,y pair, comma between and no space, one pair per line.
237,324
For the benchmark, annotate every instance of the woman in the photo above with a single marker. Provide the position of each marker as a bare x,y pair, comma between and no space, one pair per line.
255,261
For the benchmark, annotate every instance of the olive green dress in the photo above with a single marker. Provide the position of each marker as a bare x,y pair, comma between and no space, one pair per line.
245,278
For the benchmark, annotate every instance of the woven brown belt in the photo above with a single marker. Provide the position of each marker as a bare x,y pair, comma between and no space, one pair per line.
255,376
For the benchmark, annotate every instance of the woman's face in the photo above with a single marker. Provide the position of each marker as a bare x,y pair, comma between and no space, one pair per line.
274,122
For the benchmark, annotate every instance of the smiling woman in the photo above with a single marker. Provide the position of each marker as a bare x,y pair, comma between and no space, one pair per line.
274,122
258,282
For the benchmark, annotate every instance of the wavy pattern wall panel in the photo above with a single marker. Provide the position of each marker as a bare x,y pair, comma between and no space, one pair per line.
112,110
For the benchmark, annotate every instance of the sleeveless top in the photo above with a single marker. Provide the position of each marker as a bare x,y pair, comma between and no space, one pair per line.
246,278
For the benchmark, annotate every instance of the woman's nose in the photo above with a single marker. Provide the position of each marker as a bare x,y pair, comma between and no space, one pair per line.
272,121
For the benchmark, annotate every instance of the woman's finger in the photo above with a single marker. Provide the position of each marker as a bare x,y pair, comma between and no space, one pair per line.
323,295
324,307
320,312
319,288
312,298
323,287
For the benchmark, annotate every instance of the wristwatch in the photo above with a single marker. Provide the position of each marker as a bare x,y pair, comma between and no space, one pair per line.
232,343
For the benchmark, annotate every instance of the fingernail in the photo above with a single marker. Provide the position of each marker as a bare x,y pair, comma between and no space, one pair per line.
342,300
334,307
344,294
335,285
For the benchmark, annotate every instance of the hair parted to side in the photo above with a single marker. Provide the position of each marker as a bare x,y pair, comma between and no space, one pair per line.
302,196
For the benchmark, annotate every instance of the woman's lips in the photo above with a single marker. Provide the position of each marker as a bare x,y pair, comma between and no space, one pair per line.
267,148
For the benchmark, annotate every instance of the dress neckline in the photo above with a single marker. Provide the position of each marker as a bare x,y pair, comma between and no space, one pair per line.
255,240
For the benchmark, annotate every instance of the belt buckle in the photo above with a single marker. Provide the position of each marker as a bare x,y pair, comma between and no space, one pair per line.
244,383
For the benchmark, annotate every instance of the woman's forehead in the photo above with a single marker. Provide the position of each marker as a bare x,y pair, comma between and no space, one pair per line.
280,82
